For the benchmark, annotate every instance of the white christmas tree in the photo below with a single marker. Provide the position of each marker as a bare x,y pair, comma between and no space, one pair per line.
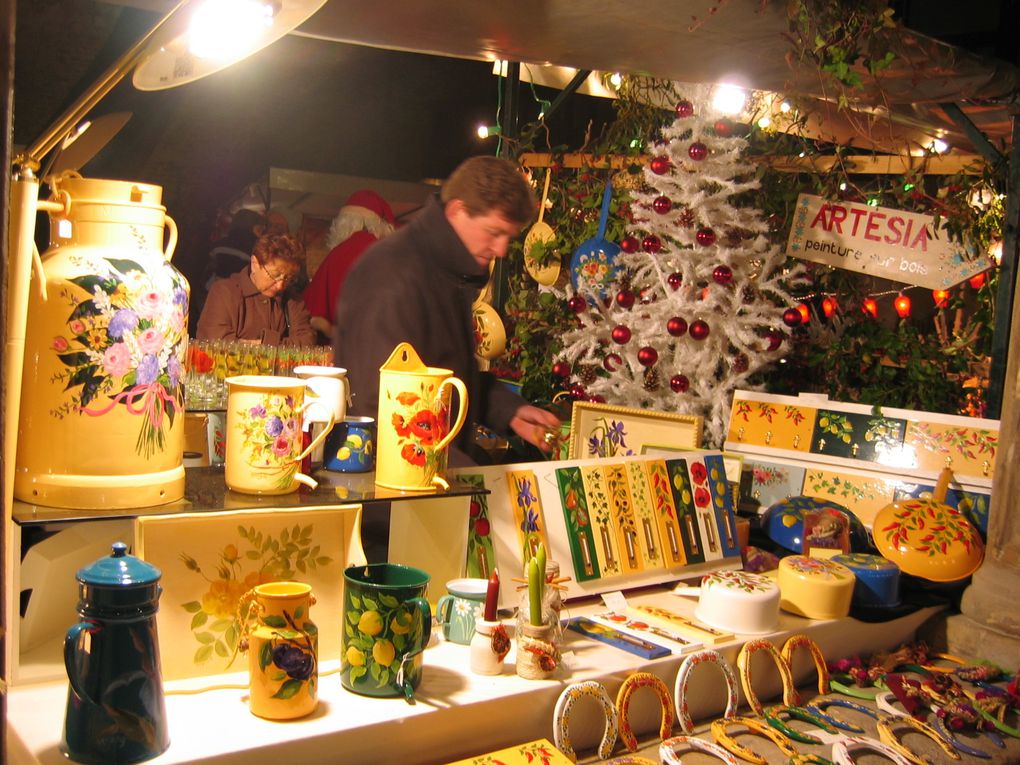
695,301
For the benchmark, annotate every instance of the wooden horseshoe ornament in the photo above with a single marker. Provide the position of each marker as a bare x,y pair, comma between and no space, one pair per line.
631,684
776,716
564,708
721,735
790,696
668,750
803,641
630,759
887,725
683,675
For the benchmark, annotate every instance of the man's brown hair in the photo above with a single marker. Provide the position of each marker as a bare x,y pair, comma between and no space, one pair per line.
485,184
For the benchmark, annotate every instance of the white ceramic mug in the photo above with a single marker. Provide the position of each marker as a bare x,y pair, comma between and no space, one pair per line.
331,388
265,419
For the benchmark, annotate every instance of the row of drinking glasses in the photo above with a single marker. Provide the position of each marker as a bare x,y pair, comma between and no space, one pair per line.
211,362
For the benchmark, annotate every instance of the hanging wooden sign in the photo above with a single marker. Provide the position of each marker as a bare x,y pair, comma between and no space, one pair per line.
880,241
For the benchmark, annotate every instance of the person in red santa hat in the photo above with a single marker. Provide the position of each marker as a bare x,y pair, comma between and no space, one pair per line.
364,219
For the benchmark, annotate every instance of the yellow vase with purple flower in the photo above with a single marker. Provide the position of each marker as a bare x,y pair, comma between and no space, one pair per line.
102,391
283,650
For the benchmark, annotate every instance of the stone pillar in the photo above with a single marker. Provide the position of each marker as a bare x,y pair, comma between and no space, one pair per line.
988,626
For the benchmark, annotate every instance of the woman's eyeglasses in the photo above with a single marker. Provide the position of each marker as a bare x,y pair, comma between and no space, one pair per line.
280,278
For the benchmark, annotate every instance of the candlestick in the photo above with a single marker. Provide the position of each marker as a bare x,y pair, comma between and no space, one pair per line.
536,578
492,597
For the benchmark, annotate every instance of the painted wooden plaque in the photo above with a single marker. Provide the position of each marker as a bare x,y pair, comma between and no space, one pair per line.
683,499
601,514
624,520
644,513
578,521
665,513
527,509
772,424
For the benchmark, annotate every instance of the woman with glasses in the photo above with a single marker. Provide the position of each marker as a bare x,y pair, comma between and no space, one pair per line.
254,304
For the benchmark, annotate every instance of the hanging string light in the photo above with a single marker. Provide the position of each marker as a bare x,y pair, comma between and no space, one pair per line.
902,305
870,307
805,312
829,306
941,298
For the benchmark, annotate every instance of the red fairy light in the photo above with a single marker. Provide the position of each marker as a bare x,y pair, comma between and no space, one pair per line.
941,298
829,306
977,281
902,306
869,306
805,312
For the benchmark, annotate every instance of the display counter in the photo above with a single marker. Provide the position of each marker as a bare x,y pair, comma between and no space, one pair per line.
456,714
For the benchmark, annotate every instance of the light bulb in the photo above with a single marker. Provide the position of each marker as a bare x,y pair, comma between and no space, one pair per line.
764,122
785,107
485,131
225,29
729,99
616,80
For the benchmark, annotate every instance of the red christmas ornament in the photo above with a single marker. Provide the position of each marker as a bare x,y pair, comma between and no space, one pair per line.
629,244
577,392
723,128
699,329
561,369
977,281
577,304
775,339
870,307
676,326
722,275
621,334
651,244
679,383
791,317
705,237
612,361
662,205
941,298
684,109
697,151
625,299
829,306
805,312
647,356
675,280
660,165
902,306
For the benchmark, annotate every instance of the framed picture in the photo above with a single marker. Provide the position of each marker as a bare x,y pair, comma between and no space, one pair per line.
601,430
210,560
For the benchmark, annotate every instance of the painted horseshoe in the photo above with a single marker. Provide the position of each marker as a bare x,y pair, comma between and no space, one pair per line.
776,716
818,707
803,641
683,676
629,759
631,684
565,705
887,724
668,750
841,750
757,727
790,696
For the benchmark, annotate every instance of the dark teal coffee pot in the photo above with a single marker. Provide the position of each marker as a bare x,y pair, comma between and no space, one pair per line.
115,708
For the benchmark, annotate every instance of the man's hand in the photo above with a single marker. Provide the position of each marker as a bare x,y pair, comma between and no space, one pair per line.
532,424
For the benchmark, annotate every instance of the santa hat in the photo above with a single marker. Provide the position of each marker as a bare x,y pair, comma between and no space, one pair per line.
373,202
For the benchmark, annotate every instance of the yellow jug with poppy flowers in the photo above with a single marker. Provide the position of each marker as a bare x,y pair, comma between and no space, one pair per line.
414,421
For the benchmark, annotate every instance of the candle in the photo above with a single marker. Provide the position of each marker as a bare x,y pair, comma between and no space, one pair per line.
536,578
540,557
492,597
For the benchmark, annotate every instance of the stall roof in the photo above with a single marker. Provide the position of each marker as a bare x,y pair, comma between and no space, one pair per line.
742,41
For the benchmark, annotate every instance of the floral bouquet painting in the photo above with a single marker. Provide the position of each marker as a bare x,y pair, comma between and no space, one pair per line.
124,347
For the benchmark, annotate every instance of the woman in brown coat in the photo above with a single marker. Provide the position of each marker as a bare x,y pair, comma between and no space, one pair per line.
253,305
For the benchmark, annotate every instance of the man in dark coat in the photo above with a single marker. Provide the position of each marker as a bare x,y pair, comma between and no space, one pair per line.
417,286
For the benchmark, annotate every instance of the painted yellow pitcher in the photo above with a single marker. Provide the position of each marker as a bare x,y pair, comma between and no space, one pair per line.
265,419
414,428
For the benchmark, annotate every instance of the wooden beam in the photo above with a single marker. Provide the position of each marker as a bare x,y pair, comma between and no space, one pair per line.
856,164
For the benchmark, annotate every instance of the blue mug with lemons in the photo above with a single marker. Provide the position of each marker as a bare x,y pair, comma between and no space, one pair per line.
350,446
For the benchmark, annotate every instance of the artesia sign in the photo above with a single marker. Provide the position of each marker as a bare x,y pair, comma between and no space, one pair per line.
880,241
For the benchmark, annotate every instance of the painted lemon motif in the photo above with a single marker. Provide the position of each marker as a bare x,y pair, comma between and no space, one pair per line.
370,623
383,652
789,520
355,441
355,657
344,453
401,623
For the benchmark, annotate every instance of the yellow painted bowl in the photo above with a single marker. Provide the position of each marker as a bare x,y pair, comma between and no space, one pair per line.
815,587
928,539
490,334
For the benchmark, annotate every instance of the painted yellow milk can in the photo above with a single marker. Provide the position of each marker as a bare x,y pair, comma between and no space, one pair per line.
414,428
102,394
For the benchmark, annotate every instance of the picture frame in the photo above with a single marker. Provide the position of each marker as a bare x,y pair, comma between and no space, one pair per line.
604,430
